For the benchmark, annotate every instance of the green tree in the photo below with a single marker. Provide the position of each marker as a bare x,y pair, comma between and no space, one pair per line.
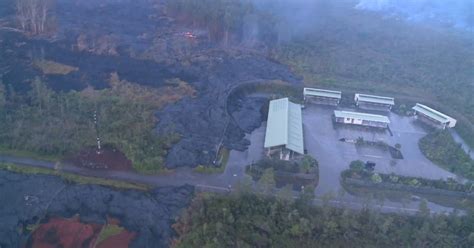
423,208
245,185
3,95
357,165
306,197
308,163
286,193
267,181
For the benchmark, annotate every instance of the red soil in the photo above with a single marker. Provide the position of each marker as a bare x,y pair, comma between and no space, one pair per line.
107,159
60,232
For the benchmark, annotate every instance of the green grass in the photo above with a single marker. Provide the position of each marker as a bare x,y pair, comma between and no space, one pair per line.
223,159
109,231
73,177
51,67
209,170
28,154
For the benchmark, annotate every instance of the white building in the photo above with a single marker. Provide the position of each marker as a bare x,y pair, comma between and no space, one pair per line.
433,117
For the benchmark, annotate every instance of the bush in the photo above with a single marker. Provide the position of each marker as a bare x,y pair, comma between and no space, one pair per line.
440,148
376,178
308,163
357,165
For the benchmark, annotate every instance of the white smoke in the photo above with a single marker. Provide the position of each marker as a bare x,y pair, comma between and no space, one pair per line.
458,13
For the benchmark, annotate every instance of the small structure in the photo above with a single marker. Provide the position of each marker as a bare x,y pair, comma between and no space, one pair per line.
374,102
362,119
320,96
284,134
433,117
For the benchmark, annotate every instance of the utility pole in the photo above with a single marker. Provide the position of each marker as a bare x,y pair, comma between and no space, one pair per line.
96,125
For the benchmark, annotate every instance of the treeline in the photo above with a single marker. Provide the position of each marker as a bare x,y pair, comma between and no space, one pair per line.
442,149
60,124
247,220
351,50
227,21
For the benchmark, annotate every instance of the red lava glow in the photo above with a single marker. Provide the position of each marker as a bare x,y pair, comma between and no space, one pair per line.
189,35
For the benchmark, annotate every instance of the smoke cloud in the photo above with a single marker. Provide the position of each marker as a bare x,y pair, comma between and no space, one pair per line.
457,13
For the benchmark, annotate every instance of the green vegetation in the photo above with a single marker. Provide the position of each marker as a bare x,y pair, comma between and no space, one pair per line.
440,147
209,169
108,231
247,220
29,154
381,144
357,171
56,124
274,172
362,182
222,159
363,52
51,67
73,177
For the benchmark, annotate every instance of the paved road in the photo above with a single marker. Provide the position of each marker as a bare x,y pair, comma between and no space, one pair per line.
464,145
215,183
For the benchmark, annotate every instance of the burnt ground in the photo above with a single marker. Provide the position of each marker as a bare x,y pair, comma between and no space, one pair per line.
37,197
203,122
108,158
137,40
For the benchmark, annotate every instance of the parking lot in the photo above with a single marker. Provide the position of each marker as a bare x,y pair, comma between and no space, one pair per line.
322,141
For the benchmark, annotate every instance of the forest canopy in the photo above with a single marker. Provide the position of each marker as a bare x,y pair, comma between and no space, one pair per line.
248,220
60,124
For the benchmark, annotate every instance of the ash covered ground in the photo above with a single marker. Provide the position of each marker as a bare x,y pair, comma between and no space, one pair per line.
138,41
37,197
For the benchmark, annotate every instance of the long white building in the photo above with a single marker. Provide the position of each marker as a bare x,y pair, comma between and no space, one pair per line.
433,117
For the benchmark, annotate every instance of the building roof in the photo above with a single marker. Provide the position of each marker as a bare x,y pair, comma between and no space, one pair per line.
284,125
434,114
361,116
323,93
375,99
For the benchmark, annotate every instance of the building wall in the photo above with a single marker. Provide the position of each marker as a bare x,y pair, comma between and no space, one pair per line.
352,121
374,106
427,120
321,100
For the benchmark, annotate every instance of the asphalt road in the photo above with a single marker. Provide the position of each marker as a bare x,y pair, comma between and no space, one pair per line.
217,183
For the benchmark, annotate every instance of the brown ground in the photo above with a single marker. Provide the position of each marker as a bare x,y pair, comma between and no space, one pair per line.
60,232
108,158
120,240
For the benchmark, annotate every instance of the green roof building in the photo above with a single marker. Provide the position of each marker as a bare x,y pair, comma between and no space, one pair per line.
284,133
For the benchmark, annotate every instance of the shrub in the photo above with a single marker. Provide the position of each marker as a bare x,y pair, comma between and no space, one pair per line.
357,165
376,178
